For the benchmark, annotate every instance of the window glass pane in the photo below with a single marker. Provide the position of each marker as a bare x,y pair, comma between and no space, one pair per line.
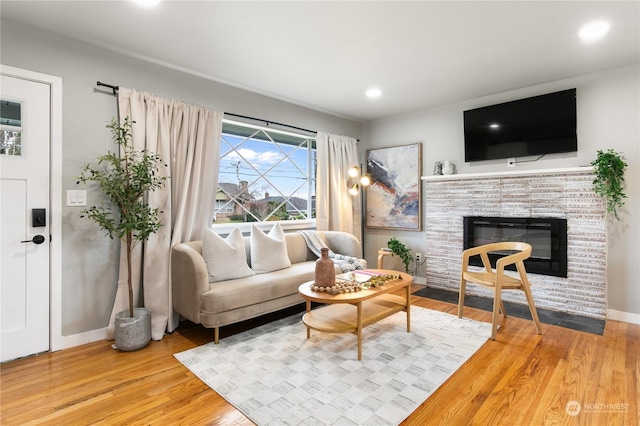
10,128
264,175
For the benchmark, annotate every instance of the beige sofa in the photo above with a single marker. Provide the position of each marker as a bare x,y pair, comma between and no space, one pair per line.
226,302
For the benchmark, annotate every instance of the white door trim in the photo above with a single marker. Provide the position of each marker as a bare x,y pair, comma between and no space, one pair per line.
55,273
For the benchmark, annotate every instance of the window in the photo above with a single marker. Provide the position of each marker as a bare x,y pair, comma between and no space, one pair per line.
10,128
265,175
224,206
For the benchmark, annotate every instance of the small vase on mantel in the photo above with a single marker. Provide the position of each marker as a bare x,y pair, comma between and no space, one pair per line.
325,270
447,168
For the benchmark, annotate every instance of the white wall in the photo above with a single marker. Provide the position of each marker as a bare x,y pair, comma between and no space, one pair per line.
88,258
608,117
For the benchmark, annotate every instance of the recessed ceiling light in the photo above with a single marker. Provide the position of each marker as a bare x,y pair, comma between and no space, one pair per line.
494,125
594,30
147,3
373,93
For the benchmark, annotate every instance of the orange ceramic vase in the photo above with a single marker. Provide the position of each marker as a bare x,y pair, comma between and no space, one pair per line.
325,270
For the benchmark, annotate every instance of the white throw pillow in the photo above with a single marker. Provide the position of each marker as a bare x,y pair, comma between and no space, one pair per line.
226,258
268,252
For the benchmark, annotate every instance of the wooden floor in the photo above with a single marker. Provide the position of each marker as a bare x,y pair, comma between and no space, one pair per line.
520,379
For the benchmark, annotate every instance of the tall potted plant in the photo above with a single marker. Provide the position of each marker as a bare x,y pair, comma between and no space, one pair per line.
609,169
125,178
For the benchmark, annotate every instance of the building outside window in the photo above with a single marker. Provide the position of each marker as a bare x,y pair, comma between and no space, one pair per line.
10,127
265,175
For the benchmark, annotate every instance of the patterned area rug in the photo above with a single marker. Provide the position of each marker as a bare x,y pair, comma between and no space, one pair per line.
276,376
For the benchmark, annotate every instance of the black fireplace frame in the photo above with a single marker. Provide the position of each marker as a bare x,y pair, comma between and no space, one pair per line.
556,265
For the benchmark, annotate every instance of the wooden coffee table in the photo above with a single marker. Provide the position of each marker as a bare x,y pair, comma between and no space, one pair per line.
351,312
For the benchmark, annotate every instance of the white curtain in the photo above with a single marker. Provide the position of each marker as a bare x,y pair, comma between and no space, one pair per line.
187,138
336,209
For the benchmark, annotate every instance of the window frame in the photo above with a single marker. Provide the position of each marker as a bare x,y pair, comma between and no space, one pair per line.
287,225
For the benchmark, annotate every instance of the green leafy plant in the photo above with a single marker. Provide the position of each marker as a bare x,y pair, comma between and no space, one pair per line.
125,179
609,168
400,250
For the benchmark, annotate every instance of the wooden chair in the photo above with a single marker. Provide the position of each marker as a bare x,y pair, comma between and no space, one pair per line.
497,280
381,255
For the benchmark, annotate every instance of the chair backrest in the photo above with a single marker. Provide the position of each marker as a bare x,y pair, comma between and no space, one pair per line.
523,251
509,245
517,259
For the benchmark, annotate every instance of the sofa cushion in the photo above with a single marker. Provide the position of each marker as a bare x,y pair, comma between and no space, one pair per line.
226,258
268,251
238,293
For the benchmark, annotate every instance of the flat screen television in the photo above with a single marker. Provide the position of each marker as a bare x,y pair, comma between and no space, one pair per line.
544,124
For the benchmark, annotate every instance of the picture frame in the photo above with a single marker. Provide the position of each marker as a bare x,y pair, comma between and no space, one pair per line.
394,199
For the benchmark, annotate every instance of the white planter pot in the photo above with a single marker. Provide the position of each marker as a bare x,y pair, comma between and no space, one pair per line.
133,333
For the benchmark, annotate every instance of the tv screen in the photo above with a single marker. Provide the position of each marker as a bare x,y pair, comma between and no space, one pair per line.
544,124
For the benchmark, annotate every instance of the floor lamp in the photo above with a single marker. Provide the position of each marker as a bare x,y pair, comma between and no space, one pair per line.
357,182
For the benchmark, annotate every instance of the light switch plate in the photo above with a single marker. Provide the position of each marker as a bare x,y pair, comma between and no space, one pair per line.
76,198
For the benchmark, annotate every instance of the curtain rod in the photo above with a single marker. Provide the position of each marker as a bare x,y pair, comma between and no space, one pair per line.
267,122
110,86
274,122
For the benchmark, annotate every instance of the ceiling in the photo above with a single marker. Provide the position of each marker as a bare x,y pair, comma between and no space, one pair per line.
325,55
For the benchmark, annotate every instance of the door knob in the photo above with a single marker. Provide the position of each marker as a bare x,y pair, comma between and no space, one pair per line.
37,239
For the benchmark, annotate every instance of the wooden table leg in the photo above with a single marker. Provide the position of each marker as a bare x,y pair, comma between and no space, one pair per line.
308,310
359,326
408,307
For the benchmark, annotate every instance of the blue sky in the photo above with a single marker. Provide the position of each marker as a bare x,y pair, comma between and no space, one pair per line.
256,156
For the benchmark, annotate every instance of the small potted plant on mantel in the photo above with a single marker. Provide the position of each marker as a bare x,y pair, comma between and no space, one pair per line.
609,168
125,179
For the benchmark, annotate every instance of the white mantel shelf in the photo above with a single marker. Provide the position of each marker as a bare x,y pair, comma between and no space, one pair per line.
585,169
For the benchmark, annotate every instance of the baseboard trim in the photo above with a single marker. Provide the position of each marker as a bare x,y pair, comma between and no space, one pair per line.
420,280
101,334
84,338
629,317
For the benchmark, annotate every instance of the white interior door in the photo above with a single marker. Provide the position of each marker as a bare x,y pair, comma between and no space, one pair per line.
25,129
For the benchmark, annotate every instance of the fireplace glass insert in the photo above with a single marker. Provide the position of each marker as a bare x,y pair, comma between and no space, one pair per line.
547,236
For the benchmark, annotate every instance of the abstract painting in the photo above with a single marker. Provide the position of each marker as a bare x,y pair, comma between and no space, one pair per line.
393,198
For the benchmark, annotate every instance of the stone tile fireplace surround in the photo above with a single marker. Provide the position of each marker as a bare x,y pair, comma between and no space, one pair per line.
559,193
